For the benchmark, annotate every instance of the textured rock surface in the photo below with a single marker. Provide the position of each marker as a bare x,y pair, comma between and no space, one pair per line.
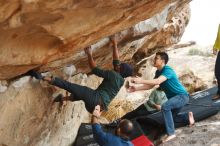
192,83
48,34
29,118
171,33
203,133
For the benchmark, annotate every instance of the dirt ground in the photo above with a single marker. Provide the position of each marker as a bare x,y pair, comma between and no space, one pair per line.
203,133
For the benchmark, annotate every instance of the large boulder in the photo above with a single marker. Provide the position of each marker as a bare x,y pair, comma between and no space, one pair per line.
48,34
192,83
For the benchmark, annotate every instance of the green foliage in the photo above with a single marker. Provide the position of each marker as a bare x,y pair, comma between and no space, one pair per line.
195,51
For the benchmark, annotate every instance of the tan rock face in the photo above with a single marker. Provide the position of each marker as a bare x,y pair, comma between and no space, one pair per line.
171,33
48,34
192,83
29,117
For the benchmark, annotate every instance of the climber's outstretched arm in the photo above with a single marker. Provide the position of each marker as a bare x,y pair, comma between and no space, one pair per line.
91,61
115,47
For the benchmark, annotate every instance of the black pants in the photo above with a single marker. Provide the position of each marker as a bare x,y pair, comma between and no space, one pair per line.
89,96
217,71
138,112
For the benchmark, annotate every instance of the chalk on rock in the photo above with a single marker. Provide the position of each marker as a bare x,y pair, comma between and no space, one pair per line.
3,88
44,74
19,83
69,70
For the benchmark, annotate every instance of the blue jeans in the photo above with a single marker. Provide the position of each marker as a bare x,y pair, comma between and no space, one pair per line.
171,109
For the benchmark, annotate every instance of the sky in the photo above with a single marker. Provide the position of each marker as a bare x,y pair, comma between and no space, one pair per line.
204,21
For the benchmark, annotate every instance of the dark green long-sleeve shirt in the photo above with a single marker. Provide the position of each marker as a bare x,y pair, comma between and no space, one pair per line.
110,86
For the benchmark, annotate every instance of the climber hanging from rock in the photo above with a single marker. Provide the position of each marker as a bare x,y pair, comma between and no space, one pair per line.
113,80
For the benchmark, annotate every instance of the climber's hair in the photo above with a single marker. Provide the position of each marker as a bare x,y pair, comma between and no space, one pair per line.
126,127
164,56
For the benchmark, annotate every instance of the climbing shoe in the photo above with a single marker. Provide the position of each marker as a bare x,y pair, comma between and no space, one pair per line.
114,123
35,74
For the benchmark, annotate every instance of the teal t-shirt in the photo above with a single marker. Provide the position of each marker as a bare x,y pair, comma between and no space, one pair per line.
172,85
110,86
